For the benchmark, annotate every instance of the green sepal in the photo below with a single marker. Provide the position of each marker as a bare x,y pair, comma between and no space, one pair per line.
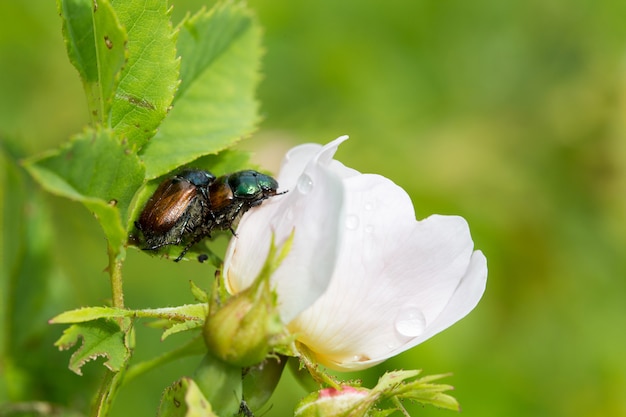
260,381
245,328
198,293
182,327
220,383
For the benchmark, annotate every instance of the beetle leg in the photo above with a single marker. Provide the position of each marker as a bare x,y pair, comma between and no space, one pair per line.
188,246
183,229
201,232
182,253
156,246
208,209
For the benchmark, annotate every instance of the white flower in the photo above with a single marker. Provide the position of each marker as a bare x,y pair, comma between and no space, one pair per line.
364,281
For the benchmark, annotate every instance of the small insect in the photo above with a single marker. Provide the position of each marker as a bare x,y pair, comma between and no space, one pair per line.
233,194
177,211
244,410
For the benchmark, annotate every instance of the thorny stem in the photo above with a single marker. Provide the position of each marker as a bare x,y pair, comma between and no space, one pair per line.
116,260
400,406
319,376
106,393
112,380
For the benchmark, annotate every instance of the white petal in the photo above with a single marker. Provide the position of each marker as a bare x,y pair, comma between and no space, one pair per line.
394,278
313,210
297,159
364,281
465,298
294,163
248,249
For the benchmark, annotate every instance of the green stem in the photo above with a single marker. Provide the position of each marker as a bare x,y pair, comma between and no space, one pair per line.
318,375
116,260
106,393
113,380
193,347
400,406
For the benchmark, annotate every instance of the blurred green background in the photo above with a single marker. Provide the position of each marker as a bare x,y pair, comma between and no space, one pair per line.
509,113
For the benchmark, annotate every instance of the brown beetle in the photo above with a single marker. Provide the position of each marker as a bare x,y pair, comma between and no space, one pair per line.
177,211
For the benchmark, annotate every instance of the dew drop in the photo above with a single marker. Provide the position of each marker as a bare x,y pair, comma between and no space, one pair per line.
410,321
305,184
369,229
352,222
360,358
369,206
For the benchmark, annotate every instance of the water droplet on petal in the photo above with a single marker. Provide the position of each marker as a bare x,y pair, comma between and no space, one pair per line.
369,206
369,229
410,321
352,222
360,358
305,184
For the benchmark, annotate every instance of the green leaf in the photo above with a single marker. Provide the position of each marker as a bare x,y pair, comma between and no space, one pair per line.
215,104
220,383
395,385
225,162
187,312
85,314
149,79
181,327
181,313
101,338
431,395
31,282
392,386
391,379
184,399
95,43
97,170
27,268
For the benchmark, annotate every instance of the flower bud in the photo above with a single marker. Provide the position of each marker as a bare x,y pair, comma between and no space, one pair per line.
242,331
333,402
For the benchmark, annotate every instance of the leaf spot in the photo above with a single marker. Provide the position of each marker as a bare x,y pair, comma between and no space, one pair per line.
108,42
